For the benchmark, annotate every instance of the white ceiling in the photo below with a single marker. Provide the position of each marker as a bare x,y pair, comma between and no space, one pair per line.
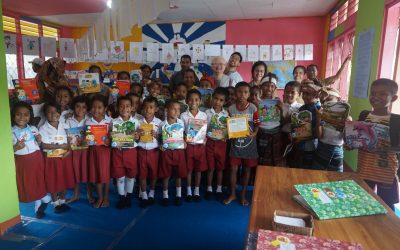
71,20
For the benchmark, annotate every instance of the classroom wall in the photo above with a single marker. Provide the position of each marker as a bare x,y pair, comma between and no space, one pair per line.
9,210
370,15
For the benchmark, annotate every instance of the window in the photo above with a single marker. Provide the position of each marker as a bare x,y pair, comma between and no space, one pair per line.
347,9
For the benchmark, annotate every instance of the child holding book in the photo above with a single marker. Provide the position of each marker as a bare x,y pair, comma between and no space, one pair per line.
195,151
379,167
135,98
216,141
180,96
124,158
243,151
148,150
79,156
63,96
29,162
59,173
99,155
172,159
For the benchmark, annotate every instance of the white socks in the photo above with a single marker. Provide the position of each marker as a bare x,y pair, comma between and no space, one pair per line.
56,203
125,185
46,199
178,192
37,205
189,191
151,193
219,189
196,191
121,185
165,194
209,188
144,195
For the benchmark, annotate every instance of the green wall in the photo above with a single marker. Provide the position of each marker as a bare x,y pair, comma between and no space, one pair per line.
8,189
369,15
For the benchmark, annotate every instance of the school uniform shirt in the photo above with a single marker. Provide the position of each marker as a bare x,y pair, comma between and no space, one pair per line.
52,135
65,114
165,123
119,120
184,106
245,148
157,129
378,166
235,76
91,121
73,123
186,116
138,116
27,135
287,111
214,117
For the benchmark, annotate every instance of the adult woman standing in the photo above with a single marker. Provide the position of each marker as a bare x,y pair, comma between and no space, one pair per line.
51,75
258,71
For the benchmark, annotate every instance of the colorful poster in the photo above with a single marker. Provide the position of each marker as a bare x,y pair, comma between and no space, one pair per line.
48,46
288,52
308,52
30,45
96,134
136,52
227,51
172,136
299,54
331,200
265,53
10,43
89,83
269,113
252,53
301,124
365,135
198,52
167,53
117,51
146,136
196,131
67,48
26,90
183,49
277,53
283,70
124,87
206,97
217,129
153,53
212,49
334,114
242,49
238,127
76,138
123,135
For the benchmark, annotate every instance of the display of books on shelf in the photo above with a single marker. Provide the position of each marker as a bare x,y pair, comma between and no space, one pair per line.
26,90
365,135
339,199
196,131
238,127
89,83
172,136
77,138
146,128
267,240
301,125
123,135
334,114
269,112
96,134
217,129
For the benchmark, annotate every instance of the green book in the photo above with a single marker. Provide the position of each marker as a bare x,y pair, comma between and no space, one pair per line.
339,199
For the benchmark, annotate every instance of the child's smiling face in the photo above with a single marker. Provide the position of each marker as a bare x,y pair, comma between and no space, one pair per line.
380,96
22,116
193,101
63,98
242,94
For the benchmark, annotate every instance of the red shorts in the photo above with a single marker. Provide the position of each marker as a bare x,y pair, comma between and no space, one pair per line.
79,163
173,159
216,154
248,163
124,163
148,162
99,164
59,173
196,157
30,176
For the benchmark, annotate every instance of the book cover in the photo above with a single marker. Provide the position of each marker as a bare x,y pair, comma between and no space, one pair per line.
334,114
26,90
96,134
162,100
269,112
24,135
124,87
123,135
218,127
172,136
206,96
196,131
279,240
330,200
147,137
136,76
77,138
301,124
365,135
238,127
89,83
56,153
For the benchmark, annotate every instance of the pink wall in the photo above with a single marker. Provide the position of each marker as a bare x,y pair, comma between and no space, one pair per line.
301,30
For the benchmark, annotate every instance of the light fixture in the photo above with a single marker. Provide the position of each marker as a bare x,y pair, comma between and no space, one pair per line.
173,4
109,3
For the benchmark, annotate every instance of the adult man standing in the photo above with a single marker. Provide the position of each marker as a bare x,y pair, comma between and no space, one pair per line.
186,63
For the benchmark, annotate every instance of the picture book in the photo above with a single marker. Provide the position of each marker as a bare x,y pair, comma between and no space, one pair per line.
124,87
122,136
339,199
96,134
136,76
334,114
206,96
26,90
57,139
269,112
301,125
184,107
147,128
196,131
217,129
172,136
89,83
365,135
162,100
77,137
56,153
24,135
279,240
238,127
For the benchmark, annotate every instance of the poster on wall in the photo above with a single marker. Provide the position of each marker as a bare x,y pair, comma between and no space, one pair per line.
117,51
198,52
363,64
136,52
242,49
212,49
48,46
167,53
183,49
67,48
30,45
227,51
10,43
265,52
101,55
299,52
153,53
276,53
82,47
283,70
308,52
252,53
288,52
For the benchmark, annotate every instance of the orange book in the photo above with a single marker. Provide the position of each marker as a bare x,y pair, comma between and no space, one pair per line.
123,86
96,134
30,88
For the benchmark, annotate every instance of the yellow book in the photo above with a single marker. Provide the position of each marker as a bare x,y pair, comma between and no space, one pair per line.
56,153
147,137
238,127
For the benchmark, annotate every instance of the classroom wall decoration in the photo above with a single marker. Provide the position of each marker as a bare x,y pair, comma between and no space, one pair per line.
135,52
118,51
30,45
283,70
10,43
67,48
48,46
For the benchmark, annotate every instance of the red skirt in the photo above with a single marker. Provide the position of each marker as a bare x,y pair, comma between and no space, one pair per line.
99,164
80,165
59,173
30,176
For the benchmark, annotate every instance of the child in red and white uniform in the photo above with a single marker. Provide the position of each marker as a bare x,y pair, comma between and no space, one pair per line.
63,96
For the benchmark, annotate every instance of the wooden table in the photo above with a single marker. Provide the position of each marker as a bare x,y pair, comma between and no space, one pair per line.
274,190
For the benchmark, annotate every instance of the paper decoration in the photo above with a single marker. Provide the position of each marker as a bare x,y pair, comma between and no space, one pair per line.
227,51
183,49
288,52
10,43
299,52
198,52
48,46
238,127
122,136
96,134
363,64
252,53
277,53
67,48
136,52
265,53
212,49
301,125
172,136
101,55
242,49
82,47
117,51
77,137
167,53
89,83
308,52
30,45
153,53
